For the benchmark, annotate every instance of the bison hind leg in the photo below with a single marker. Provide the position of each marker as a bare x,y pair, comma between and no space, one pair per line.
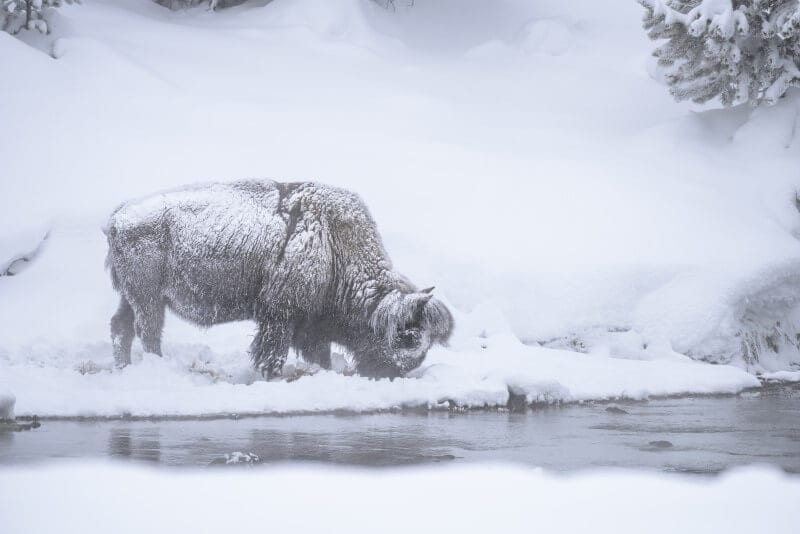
270,348
122,333
149,323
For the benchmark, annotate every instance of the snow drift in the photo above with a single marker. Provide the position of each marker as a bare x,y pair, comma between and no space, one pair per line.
491,498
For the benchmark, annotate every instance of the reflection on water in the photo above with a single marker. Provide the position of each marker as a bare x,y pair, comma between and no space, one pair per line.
692,435
136,444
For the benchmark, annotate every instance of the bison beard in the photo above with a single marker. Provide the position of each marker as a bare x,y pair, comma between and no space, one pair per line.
303,260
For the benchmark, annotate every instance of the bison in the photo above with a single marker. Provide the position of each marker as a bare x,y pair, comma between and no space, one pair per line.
303,260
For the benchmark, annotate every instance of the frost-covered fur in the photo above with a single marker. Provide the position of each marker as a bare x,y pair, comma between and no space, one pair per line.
303,260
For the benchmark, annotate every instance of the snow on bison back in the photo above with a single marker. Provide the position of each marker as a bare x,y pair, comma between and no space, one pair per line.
303,260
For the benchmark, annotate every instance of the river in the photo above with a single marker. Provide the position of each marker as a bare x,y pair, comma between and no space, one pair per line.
699,435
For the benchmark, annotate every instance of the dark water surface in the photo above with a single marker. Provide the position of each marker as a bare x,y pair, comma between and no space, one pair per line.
694,435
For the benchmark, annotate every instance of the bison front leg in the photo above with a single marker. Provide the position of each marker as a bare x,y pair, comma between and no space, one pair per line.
319,353
313,349
271,347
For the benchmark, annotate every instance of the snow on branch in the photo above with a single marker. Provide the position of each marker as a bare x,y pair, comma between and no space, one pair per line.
16,15
734,50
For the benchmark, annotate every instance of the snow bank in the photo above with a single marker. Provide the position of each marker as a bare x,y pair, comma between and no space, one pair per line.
193,381
89,498
782,376
524,163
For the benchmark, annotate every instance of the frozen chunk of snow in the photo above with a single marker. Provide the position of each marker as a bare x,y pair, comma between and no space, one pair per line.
239,457
782,376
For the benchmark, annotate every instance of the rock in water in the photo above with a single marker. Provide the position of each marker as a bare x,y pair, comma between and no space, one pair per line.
7,402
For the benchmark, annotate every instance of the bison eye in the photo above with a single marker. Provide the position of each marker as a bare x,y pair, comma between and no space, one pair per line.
407,339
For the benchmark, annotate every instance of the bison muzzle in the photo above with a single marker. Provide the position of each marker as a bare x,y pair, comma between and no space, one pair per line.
303,260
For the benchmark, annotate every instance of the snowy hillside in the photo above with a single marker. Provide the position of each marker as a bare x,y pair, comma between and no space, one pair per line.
529,163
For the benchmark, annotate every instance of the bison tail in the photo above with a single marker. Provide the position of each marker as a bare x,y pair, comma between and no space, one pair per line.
109,231
112,271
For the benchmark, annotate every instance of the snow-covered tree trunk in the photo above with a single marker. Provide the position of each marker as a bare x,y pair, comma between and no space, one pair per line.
735,50
211,5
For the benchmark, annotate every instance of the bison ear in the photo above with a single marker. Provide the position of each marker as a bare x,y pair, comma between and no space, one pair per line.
418,301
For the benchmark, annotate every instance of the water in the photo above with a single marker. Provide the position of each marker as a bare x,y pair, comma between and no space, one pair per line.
694,435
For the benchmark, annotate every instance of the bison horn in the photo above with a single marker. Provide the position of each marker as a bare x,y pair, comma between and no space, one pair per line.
428,289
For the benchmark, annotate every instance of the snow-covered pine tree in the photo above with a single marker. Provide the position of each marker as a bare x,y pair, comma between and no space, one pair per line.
16,15
735,50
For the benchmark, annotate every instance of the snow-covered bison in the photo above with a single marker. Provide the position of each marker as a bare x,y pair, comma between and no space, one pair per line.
303,260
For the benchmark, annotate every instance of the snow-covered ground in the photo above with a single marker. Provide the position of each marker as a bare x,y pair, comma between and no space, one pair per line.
88,498
527,162
202,382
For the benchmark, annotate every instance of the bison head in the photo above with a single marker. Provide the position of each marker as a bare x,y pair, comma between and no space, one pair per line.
405,326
